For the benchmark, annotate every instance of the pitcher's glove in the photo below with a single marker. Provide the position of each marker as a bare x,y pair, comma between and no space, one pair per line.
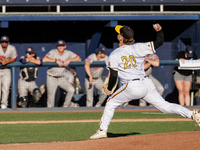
105,86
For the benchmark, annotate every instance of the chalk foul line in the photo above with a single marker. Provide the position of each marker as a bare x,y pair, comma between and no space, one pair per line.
95,120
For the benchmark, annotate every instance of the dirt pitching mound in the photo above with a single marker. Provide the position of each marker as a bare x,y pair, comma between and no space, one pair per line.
165,141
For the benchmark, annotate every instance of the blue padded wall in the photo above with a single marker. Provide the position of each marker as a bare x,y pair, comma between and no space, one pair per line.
163,73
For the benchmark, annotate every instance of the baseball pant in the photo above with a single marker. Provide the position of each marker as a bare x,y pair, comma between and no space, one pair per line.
158,86
5,80
52,84
137,89
24,87
97,83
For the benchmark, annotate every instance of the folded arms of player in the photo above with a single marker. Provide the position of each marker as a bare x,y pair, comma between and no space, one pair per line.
7,61
25,60
111,82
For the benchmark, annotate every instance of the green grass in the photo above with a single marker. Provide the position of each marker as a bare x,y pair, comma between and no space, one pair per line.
54,132
80,116
30,133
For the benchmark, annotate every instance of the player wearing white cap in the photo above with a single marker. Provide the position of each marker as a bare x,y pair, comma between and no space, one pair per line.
8,54
127,63
56,75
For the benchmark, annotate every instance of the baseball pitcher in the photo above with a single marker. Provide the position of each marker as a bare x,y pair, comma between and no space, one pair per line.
127,63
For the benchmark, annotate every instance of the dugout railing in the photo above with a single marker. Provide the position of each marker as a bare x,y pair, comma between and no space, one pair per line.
13,67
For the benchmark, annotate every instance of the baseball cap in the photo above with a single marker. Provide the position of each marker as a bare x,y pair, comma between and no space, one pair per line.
189,51
61,43
30,50
100,50
125,31
4,38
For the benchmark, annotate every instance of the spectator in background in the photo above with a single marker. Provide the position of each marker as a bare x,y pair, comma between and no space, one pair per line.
56,75
26,82
93,77
183,78
8,54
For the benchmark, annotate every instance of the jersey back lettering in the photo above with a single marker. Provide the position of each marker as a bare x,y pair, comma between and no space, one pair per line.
128,60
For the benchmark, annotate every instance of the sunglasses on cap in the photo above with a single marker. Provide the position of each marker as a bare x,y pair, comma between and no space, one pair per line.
29,53
4,42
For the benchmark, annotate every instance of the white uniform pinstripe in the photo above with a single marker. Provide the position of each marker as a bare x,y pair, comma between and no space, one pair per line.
69,76
128,61
5,73
24,87
56,77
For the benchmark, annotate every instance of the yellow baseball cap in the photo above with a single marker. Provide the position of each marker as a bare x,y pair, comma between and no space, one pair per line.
117,28
125,31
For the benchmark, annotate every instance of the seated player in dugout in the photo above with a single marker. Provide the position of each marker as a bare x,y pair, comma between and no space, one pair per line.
56,75
93,77
26,82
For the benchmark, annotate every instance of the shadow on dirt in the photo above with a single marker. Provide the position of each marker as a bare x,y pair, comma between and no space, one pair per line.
121,134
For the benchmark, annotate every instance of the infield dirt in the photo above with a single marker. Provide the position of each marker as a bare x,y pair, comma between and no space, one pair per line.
165,141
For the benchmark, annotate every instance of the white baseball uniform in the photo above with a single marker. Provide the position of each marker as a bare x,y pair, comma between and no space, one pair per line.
5,73
56,77
69,76
59,92
157,84
128,60
97,81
